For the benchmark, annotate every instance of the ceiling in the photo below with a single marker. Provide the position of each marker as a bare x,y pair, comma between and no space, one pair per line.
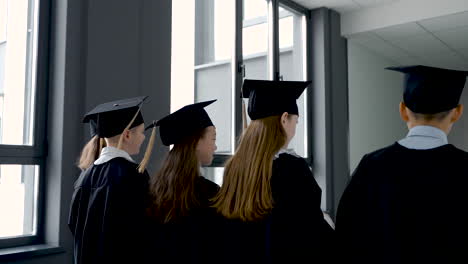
440,41
343,6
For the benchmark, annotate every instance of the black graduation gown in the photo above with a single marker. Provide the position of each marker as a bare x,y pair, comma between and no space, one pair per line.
295,230
189,239
107,213
406,206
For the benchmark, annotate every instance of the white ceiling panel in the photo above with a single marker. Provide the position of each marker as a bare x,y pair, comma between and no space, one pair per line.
343,6
385,49
372,3
421,45
464,52
455,38
307,3
340,6
446,22
433,38
448,59
410,61
401,31
365,37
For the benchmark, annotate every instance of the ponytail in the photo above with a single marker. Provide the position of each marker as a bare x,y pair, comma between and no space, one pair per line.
91,152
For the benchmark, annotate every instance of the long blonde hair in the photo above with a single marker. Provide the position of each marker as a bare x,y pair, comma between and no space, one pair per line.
91,152
246,190
172,188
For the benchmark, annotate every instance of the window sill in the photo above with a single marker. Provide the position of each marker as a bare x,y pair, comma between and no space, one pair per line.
22,252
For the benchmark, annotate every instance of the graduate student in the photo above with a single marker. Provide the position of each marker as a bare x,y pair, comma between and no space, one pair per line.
406,202
269,197
182,221
107,213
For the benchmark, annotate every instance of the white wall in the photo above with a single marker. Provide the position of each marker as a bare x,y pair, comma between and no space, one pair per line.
374,95
458,135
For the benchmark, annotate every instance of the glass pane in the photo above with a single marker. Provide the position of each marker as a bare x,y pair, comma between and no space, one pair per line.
292,68
214,174
18,41
201,61
255,9
255,39
18,200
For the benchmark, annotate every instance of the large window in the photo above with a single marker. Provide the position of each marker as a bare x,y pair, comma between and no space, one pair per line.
22,120
231,40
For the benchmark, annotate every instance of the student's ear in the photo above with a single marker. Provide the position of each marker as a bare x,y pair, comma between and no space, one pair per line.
284,118
403,112
126,133
458,112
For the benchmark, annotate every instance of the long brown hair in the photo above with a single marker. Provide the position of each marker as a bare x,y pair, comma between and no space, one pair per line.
172,188
91,152
246,192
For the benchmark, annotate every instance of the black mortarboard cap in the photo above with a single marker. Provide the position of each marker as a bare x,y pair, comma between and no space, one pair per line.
269,98
183,122
111,118
430,90
92,127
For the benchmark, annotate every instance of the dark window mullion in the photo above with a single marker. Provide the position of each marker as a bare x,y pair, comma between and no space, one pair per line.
42,78
219,160
20,160
273,40
237,74
293,6
309,90
21,151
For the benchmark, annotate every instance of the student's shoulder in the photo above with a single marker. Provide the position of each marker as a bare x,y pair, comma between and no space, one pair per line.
383,153
454,152
290,158
120,163
207,185
289,164
458,151
122,169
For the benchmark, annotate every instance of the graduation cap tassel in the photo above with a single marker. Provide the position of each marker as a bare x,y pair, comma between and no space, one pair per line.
96,148
102,144
149,150
119,146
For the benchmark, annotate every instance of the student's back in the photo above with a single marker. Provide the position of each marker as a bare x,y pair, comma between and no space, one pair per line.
108,212
181,220
405,203
408,207
188,239
269,197
293,231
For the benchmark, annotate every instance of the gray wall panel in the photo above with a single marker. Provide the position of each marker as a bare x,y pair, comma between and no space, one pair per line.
100,50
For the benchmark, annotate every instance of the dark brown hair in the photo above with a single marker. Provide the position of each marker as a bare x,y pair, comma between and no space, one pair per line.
172,188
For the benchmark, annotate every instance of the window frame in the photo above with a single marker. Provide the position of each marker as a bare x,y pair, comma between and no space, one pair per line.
273,54
36,153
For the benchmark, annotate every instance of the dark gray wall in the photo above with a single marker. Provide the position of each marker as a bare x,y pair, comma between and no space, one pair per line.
329,109
100,50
